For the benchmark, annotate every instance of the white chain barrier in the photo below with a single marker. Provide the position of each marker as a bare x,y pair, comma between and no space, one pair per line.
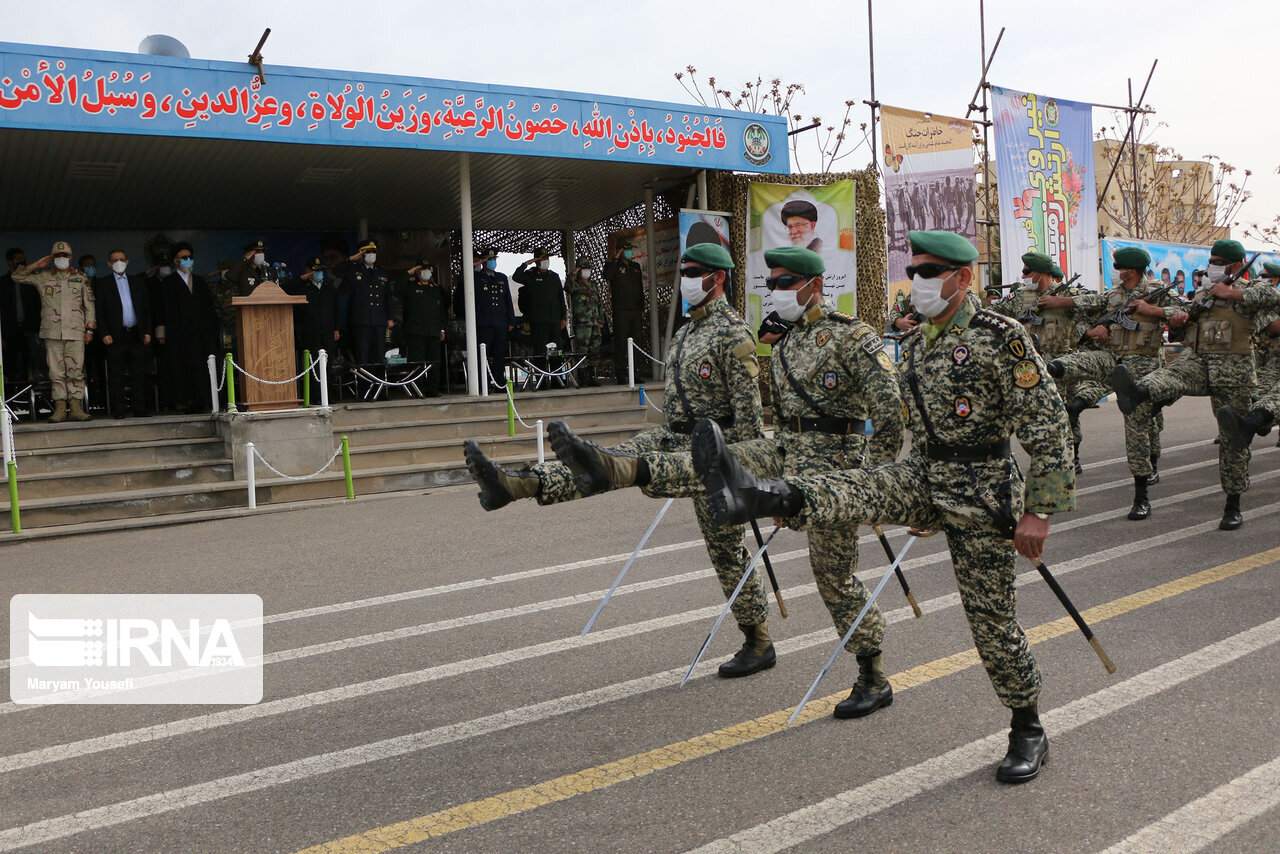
632,346
253,453
536,426
291,379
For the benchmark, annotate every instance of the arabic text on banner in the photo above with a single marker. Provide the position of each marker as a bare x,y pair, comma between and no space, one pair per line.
927,164
1047,187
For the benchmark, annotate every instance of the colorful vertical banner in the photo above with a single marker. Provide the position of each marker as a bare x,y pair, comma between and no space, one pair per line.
703,227
928,169
1172,263
818,218
1046,184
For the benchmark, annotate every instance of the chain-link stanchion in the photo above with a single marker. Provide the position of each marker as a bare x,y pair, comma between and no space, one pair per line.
229,378
632,346
484,371
324,378
306,378
213,382
513,415
10,465
251,453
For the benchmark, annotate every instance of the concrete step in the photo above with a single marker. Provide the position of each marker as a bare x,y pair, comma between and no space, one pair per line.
461,408
521,447
30,437
408,432
122,455
117,479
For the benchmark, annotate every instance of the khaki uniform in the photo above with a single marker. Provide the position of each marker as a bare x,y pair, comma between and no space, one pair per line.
66,312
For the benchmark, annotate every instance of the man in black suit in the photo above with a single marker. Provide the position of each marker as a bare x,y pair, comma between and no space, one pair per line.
186,323
124,327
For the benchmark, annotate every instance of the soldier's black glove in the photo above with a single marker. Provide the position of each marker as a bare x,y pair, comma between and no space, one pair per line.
774,325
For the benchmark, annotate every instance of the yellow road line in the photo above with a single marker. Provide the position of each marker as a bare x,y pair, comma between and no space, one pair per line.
562,788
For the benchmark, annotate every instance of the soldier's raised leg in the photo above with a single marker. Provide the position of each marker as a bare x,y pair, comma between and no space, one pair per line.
1233,458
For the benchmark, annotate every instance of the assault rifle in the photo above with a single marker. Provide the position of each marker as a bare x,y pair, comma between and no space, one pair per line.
1197,309
1033,316
1123,316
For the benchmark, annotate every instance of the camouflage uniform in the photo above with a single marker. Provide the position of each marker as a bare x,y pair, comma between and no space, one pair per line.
66,312
588,317
1266,350
828,374
978,382
711,373
1217,363
901,307
1059,332
1089,371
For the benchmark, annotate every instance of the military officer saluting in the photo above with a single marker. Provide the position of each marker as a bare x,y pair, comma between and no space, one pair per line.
541,300
971,379
711,373
67,323
369,307
495,313
251,270
588,317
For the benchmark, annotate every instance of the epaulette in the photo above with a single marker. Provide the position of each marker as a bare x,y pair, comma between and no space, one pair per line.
842,317
991,320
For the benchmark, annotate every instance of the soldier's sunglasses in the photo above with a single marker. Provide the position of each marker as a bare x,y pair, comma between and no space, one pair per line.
1026,271
785,282
930,270
695,272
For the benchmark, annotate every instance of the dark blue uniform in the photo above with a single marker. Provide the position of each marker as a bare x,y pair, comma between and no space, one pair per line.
369,307
495,313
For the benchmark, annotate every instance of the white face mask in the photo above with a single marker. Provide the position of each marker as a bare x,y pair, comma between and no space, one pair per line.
259,259
1216,272
926,295
542,265
164,271
585,274
787,304
691,289
119,266
62,263
1029,283
370,258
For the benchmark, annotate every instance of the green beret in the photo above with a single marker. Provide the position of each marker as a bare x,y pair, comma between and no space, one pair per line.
1057,273
711,255
943,244
1131,258
1228,250
1272,268
797,259
994,289
1038,262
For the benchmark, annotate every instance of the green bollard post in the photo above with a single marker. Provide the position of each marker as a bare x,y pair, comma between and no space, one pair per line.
231,385
306,378
346,467
511,409
14,515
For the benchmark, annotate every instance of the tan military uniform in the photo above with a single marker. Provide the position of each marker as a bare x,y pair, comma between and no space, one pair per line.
66,311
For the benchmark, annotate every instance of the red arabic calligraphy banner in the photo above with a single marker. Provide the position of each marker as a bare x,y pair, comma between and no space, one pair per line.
63,89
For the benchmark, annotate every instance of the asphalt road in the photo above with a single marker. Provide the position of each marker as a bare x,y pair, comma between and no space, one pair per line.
426,688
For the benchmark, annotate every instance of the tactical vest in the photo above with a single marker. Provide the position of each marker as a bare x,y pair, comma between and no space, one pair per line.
1221,329
1146,340
1057,335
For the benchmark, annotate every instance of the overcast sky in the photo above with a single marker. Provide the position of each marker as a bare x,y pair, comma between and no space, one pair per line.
1213,94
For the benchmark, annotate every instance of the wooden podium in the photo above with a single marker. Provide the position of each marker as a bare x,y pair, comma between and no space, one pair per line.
264,320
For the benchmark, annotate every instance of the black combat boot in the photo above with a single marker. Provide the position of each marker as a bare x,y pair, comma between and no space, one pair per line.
1141,505
756,654
1128,395
1028,748
498,486
1240,429
594,468
1079,468
1231,518
734,494
1154,477
872,690
1057,370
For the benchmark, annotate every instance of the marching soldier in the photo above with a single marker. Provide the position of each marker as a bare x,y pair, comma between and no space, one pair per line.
1089,371
972,379
1267,341
1051,319
829,371
711,373
67,322
1218,363
588,317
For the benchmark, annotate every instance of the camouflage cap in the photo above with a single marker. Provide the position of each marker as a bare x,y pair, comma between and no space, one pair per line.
711,255
1228,250
1131,258
943,244
801,208
797,259
62,247
1038,262
1271,269
583,264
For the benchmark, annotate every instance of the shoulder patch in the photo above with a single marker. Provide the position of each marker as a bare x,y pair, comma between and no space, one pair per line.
1026,374
746,353
1017,348
871,344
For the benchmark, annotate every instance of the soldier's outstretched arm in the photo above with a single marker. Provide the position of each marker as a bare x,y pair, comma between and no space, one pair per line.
1040,423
